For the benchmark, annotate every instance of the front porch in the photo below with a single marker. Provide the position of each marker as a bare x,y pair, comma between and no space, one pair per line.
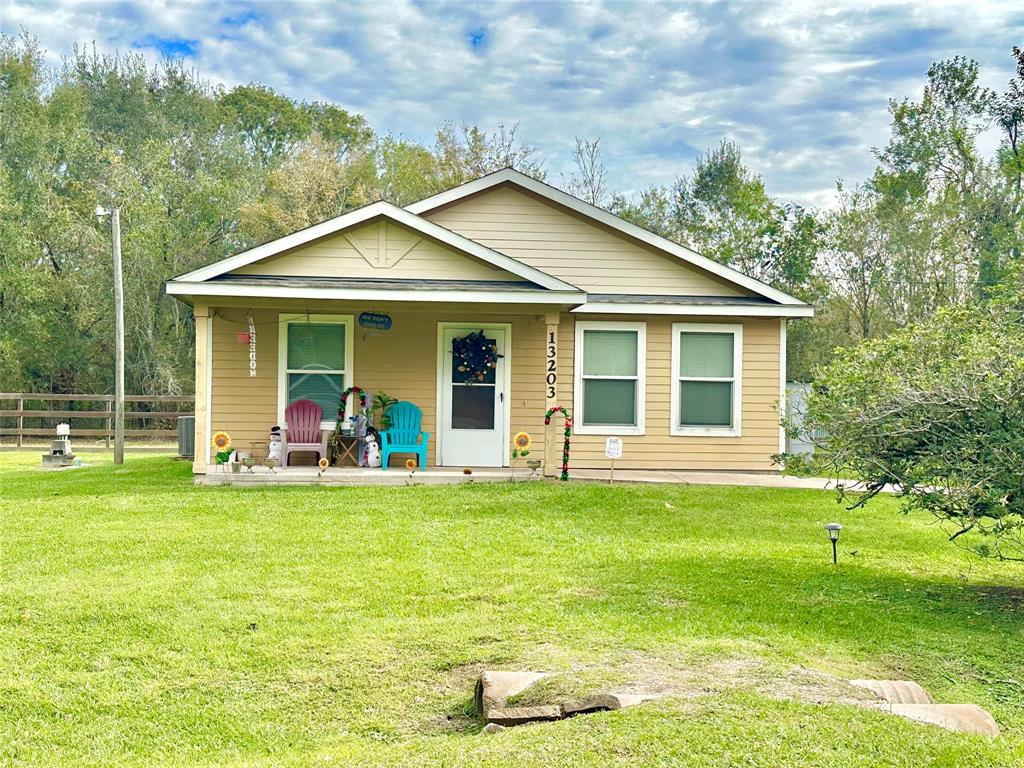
245,388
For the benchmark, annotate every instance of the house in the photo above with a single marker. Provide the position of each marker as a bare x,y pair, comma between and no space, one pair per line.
640,337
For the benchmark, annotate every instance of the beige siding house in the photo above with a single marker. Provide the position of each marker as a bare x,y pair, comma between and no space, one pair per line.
641,338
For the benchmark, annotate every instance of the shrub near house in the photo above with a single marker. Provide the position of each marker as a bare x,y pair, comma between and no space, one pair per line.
938,411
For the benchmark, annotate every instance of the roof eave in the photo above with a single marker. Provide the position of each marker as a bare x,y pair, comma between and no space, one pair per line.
181,289
716,310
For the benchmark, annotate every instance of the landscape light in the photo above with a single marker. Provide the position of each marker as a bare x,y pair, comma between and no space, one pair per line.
833,533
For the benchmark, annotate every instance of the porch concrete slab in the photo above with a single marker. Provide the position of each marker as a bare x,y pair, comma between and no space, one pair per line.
398,476
353,476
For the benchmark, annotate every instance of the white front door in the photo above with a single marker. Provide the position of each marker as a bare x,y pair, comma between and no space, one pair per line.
472,417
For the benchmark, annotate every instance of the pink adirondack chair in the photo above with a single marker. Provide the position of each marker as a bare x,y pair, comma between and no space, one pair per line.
303,432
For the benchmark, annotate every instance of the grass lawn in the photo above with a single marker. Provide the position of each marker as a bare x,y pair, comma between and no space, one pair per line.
143,620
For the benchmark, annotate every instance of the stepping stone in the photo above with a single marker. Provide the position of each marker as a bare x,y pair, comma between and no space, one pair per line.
896,691
605,702
601,702
508,716
632,699
493,689
968,718
492,728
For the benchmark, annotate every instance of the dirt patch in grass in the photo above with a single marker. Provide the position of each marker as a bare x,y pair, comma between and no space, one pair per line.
651,674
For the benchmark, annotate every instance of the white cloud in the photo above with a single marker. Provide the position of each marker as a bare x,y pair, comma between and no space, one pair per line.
802,86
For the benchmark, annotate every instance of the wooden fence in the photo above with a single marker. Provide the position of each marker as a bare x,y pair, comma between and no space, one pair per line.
151,418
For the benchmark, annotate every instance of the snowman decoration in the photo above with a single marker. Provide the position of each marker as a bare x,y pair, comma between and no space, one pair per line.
371,450
276,448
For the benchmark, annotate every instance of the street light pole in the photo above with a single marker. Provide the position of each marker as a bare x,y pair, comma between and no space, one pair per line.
115,226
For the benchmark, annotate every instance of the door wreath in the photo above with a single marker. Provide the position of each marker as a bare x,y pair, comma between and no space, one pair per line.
473,357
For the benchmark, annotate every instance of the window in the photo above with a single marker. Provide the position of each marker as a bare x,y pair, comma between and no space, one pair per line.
314,361
609,378
706,366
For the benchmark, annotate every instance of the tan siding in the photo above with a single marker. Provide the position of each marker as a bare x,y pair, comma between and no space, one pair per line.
657,449
572,248
244,407
403,362
356,254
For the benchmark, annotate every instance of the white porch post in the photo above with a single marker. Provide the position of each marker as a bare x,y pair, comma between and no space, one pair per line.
204,326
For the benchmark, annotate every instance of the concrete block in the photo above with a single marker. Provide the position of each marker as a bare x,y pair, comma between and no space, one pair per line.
967,718
493,689
896,691
509,716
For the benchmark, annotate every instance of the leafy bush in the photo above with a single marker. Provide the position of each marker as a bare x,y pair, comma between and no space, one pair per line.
936,410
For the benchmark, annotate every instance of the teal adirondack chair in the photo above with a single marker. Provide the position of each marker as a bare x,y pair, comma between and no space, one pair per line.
404,435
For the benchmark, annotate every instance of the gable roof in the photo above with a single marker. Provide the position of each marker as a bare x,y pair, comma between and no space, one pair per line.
362,215
515,178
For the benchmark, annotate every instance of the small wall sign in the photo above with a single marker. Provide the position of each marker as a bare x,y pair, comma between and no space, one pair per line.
252,348
613,447
378,321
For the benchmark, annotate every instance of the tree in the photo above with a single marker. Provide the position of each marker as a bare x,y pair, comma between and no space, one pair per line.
312,185
468,152
651,210
588,181
724,212
935,410
270,124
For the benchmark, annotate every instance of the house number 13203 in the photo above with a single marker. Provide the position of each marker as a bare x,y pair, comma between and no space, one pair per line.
551,379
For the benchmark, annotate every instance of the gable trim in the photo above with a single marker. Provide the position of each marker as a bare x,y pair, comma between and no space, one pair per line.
517,179
365,214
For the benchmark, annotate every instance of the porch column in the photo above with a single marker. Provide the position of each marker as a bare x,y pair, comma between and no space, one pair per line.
552,451
204,334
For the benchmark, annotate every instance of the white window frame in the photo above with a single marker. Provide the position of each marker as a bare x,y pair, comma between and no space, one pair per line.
284,320
677,429
641,378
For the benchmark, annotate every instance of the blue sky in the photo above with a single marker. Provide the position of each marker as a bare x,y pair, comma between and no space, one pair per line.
801,86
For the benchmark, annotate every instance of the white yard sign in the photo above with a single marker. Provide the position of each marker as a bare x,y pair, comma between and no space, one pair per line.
613,450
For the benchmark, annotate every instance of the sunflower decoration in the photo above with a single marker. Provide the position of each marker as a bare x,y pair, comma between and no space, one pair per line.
521,444
221,443
410,464
522,441
323,464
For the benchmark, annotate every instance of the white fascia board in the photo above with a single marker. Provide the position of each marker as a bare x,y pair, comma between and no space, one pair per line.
509,175
730,310
183,288
361,215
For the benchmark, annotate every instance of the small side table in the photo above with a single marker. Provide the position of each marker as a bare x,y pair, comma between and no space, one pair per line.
348,450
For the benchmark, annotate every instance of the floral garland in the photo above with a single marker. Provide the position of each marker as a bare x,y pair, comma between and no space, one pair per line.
344,400
568,433
474,356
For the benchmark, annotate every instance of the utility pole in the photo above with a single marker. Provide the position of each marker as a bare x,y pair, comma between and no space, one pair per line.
115,226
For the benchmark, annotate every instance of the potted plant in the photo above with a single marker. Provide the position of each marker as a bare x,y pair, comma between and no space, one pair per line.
381,402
